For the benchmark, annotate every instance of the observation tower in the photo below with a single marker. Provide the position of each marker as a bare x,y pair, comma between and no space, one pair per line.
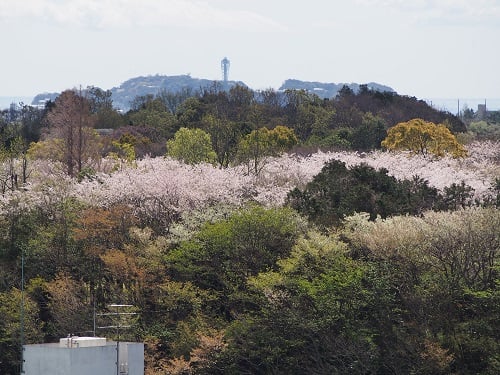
224,64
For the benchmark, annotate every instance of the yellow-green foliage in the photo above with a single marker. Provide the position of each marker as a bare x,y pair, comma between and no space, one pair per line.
123,153
423,137
254,148
49,149
10,324
192,146
283,137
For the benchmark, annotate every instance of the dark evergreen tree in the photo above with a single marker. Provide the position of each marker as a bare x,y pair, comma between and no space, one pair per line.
338,191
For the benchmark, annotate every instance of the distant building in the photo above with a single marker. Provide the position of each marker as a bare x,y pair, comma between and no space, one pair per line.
84,356
481,111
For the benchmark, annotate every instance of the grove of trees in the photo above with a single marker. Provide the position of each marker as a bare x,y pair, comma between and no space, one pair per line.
253,232
350,121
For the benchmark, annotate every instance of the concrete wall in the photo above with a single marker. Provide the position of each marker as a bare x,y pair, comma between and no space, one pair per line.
136,359
52,359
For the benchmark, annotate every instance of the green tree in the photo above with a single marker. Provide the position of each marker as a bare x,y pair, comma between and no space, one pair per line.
225,135
493,198
31,123
51,248
444,266
240,100
10,327
255,148
123,152
152,113
485,130
339,138
457,196
190,113
101,105
283,138
423,137
224,254
338,191
172,100
369,134
192,146
13,164
311,317
18,223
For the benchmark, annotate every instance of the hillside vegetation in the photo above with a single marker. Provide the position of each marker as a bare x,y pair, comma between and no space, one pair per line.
253,233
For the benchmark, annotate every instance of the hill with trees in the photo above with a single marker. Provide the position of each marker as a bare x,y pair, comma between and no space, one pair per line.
253,232
329,90
155,85
124,94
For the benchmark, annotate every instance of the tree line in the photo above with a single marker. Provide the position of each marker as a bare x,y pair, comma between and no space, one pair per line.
71,128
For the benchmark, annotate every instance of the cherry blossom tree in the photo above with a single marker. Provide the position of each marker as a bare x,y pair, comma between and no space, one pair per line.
166,185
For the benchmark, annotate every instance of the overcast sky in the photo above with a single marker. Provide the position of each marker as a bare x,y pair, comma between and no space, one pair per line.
422,48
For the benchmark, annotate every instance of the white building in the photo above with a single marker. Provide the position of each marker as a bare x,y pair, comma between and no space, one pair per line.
84,356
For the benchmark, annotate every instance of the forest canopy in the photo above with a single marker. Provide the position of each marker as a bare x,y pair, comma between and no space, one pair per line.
253,232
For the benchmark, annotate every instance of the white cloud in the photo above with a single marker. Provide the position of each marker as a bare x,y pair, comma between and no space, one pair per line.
451,12
126,13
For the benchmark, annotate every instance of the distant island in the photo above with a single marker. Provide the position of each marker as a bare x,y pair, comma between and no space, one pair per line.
329,90
152,85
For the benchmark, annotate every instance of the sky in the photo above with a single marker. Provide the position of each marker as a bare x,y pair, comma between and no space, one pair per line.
421,48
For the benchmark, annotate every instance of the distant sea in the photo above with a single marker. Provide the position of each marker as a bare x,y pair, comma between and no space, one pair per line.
459,104
6,101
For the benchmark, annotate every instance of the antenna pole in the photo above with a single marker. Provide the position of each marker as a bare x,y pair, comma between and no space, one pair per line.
118,344
118,327
22,311
94,313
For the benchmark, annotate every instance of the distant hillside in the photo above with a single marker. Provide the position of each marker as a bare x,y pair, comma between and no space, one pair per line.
329,90
40,99
152,85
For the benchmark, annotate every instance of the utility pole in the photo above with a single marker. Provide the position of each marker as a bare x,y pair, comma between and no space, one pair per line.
22,312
